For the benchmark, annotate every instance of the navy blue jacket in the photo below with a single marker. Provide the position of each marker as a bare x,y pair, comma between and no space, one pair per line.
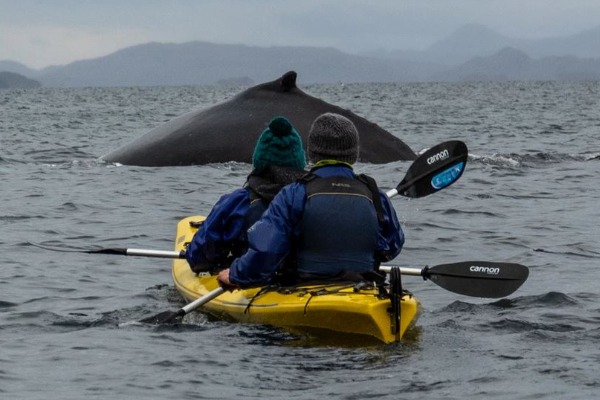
222,231
222,236
272,238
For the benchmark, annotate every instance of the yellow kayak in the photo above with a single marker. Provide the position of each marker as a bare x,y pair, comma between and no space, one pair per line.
327,309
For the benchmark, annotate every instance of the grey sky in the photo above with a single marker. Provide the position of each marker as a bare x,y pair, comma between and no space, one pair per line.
39,33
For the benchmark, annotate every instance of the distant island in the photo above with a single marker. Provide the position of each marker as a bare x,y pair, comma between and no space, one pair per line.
12,80
472,53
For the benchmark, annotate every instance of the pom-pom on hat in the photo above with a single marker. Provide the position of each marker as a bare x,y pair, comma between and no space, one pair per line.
279,145
333,137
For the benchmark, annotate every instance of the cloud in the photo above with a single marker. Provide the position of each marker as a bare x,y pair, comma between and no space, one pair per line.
40,33
42,45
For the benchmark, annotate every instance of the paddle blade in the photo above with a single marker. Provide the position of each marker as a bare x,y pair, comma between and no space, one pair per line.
435,169
165,317
478,278
172,317
113,251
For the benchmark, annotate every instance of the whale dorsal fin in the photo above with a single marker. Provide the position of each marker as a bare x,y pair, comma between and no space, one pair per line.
288,81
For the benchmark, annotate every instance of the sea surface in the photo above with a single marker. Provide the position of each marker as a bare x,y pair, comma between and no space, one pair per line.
529,195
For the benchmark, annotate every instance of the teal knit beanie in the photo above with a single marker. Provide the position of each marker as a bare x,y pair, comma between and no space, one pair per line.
279,145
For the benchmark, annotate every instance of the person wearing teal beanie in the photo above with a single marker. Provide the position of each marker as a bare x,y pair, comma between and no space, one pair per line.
278,159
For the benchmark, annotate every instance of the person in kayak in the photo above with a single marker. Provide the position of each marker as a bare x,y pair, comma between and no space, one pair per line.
278,160
331,224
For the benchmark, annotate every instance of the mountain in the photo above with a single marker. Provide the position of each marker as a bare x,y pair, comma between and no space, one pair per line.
475,40
17,68
202,63
468,42
510,64
473,52
11,80
585,44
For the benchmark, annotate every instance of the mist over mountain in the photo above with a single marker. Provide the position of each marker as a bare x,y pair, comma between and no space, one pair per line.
474,40
473,52
510,64
585,44
468,42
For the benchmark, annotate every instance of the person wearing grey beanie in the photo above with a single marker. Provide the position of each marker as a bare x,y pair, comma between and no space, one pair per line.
330,225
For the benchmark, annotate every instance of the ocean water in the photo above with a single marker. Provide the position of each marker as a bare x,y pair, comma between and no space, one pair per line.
529,195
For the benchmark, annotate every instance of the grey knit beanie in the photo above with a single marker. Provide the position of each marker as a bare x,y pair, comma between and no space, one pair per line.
333,137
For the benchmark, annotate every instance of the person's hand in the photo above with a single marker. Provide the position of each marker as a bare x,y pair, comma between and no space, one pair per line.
223,279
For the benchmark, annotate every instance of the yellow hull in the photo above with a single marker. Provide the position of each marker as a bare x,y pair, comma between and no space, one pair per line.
315,309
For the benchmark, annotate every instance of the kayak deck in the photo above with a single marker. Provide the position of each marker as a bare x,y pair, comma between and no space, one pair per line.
317,309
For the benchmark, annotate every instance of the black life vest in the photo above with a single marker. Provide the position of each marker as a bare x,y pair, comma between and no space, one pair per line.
339,227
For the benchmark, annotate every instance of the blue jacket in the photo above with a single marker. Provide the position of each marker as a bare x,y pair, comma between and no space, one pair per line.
222,236
222,231
272,238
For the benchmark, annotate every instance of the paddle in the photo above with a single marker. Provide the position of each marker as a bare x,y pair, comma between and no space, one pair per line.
470,278
473,278
434,170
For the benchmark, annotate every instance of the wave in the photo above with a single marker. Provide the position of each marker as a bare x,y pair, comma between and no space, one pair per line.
544,314
548,299
514,160
554,299
577,250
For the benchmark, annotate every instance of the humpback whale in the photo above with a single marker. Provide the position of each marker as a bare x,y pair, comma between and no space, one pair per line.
228,131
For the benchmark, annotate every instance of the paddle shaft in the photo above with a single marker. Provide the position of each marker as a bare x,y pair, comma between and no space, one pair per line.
403,270
153,253
202,300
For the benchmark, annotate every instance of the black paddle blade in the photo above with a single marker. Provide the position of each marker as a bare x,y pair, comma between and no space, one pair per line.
478,278
172,317
114,251
164,318
437,168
